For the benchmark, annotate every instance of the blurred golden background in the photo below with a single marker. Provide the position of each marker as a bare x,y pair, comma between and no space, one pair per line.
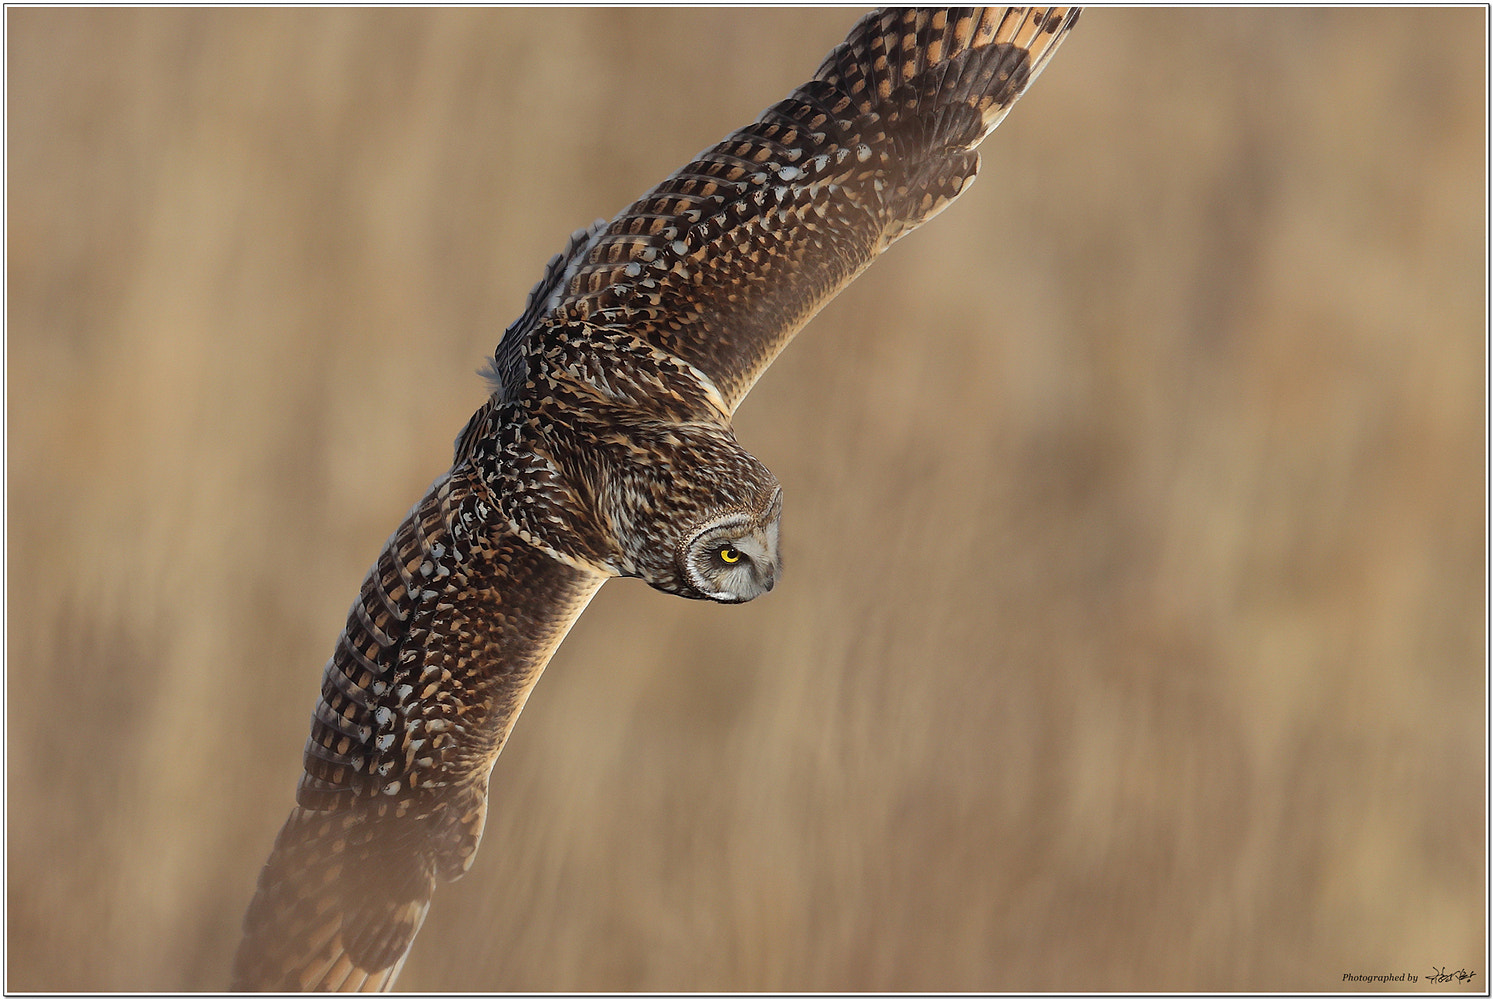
1133,629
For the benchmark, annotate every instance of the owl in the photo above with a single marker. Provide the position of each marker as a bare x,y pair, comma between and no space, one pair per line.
605,449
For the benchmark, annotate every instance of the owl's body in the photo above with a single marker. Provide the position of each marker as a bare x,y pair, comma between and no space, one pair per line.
605,449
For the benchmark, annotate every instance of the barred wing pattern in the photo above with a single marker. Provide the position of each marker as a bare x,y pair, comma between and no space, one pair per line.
722,263
441,649
714,271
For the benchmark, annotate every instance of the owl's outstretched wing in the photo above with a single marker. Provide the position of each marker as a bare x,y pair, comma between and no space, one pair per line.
722,263
450,631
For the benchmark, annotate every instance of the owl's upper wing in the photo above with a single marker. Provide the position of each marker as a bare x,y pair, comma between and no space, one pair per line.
440,651
722,263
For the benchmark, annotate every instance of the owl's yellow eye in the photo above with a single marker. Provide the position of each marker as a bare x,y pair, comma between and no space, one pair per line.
728,554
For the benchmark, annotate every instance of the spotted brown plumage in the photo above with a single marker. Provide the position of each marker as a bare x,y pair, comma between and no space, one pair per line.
723,262
422,689
606,449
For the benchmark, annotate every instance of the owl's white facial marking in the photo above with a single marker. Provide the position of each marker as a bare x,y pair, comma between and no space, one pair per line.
734,557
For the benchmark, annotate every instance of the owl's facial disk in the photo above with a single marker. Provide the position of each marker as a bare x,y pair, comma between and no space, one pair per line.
734,557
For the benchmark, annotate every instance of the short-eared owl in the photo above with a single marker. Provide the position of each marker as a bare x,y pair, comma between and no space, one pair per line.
605,449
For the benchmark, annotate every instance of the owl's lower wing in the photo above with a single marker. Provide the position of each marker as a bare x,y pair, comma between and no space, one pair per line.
442,647
722,263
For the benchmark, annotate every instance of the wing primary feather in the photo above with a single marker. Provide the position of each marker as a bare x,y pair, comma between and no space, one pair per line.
878,142
377,824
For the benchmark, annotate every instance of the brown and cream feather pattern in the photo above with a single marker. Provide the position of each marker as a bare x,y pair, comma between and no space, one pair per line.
440,651
604,450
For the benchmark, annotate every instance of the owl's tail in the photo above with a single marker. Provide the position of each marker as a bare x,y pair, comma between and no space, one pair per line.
337,907
935,82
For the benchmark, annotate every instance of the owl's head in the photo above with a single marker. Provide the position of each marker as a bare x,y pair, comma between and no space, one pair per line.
690,512
733,557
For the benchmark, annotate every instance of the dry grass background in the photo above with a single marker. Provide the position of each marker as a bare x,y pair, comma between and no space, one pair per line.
1133,630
